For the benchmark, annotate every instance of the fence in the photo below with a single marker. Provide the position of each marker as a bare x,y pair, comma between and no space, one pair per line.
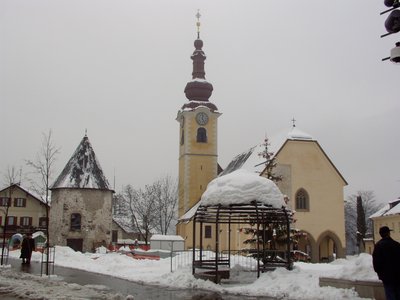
242,258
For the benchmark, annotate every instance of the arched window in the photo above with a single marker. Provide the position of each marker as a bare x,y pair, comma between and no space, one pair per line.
75,222
201,135
302,200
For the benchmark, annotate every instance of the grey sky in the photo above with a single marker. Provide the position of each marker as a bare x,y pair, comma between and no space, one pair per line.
119,68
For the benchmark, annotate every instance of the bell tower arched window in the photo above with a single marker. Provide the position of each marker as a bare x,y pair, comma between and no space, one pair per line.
302,200
201,135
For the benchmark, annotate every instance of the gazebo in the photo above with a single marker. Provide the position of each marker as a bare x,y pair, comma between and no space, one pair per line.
241,197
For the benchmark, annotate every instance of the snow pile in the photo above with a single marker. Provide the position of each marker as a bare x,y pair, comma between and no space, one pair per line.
242,187
27,286
300,283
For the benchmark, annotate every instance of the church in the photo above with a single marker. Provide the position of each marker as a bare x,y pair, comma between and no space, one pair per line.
310,180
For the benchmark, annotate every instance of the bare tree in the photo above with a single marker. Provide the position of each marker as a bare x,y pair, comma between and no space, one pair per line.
10,178
165,192
43,165
368,205
153,208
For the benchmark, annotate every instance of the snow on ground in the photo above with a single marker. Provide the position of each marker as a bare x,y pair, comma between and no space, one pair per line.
300,283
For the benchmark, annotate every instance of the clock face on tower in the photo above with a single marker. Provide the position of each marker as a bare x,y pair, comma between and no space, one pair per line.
202,118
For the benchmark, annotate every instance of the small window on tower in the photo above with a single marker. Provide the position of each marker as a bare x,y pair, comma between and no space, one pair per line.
201,135
182,137
75,222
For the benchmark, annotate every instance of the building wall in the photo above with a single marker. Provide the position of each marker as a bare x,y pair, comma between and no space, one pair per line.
96,217
304,165
34,208
392,221
198,163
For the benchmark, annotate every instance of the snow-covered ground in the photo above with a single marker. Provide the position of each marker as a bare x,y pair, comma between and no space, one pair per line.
300,283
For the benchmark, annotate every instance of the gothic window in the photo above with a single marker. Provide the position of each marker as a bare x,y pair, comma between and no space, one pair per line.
75,222
302,200
201,135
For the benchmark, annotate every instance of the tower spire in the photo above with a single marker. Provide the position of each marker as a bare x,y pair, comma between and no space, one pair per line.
198,89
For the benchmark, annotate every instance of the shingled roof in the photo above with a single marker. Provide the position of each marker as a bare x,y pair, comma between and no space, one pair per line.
82,170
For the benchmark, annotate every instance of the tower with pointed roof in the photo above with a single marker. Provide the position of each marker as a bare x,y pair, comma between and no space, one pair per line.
198,150
81,215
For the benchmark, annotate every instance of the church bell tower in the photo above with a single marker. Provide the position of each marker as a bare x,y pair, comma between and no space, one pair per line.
198,119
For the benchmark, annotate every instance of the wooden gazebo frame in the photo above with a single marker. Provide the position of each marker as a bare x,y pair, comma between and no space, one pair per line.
255,213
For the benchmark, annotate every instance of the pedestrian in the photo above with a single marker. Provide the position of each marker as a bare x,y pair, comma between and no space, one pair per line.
27,246
386,262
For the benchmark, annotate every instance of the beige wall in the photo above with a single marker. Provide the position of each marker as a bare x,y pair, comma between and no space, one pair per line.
392,221
197,161
303,164
34,208
96,217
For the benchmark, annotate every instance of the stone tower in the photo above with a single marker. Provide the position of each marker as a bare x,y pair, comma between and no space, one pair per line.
198,153
80,214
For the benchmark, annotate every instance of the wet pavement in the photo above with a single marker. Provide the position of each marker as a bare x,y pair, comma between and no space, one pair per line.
125,287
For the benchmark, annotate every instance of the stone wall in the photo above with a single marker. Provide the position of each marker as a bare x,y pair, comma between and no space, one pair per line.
93,205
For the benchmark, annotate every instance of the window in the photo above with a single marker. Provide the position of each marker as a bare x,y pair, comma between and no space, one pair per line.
207,233
4,201
114,236
25,221
11,221
75,222
201,135
19,202
302,200
42,222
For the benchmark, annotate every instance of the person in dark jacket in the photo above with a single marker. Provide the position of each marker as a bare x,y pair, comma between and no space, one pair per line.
386,262
27,246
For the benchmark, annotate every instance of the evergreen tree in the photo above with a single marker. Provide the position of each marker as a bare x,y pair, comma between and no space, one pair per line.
270,162
361,224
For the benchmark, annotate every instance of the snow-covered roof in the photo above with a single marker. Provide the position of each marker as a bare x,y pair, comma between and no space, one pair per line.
242,187
252,159
33,194
189,214
392,208
82,170
161,237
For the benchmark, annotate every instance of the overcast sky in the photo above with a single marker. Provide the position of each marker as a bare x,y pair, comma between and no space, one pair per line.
119,69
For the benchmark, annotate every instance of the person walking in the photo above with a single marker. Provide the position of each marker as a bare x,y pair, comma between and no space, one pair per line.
27,246
386,263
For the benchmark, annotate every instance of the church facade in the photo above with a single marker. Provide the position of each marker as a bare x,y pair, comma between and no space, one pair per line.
312,183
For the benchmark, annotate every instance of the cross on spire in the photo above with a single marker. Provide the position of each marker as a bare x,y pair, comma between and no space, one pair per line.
198,15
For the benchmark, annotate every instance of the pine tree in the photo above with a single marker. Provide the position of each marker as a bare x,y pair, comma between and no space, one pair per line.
361,224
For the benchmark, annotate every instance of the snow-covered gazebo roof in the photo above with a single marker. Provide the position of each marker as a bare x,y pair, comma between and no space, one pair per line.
242,187
229,197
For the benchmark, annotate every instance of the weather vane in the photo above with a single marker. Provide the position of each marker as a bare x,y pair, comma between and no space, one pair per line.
294,122
198,15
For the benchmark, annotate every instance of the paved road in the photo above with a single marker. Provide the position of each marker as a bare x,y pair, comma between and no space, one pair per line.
125,287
